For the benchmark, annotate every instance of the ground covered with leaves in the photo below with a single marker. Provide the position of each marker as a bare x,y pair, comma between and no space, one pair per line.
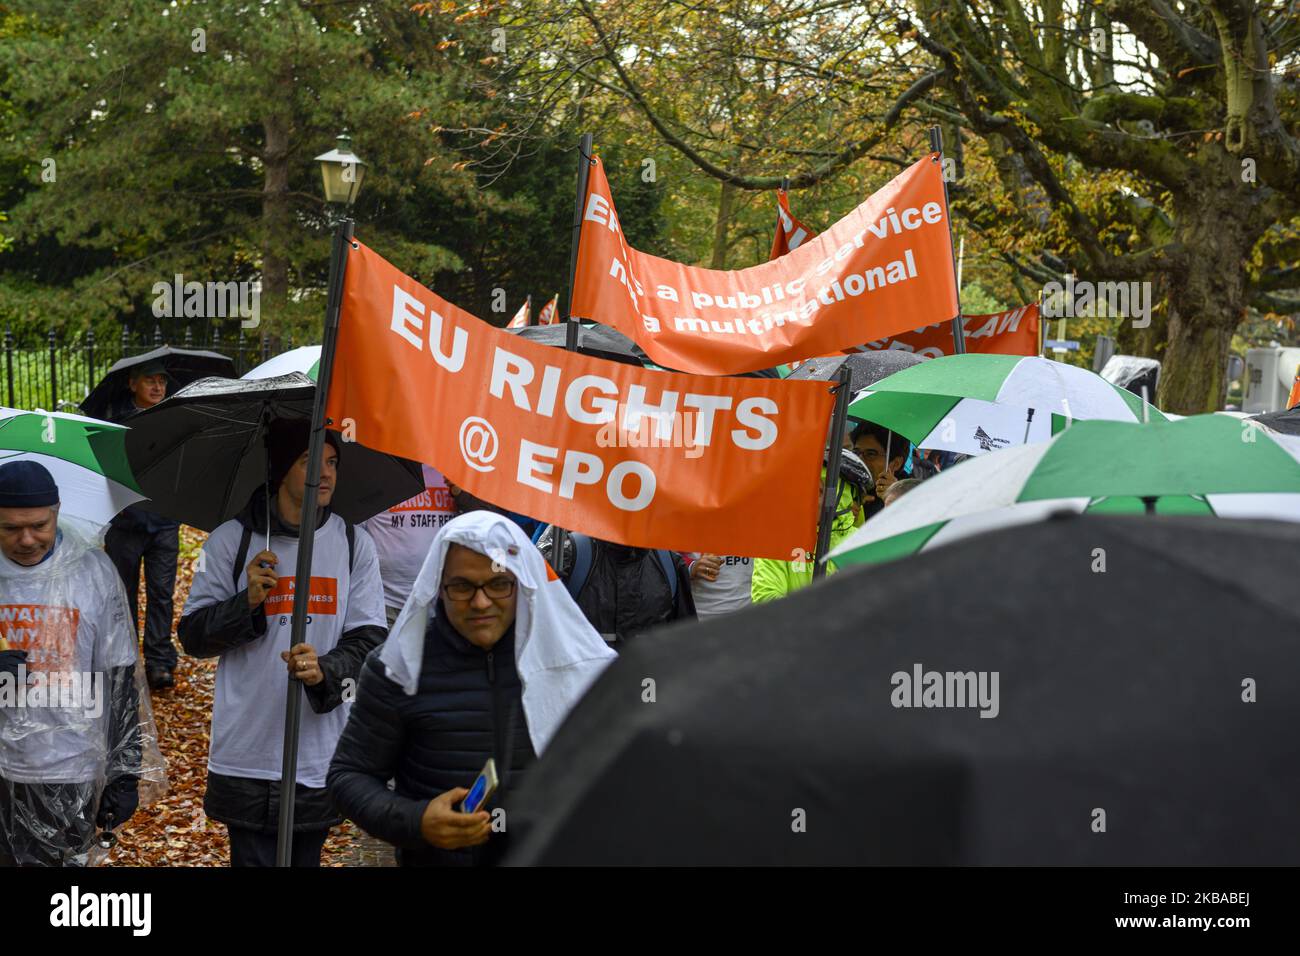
175,831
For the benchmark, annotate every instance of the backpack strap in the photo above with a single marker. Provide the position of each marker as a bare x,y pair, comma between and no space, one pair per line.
350,529
670,572
241,556
582,551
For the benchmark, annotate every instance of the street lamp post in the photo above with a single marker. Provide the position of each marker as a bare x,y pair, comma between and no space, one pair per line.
342,172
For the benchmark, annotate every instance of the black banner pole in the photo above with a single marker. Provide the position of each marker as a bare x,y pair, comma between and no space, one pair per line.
579,206
958,331
831,486
307,540
1042,325
559,535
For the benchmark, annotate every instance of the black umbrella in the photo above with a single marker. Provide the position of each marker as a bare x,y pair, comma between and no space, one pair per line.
1286,421
773,735
199,456
866,368
183,365
598,341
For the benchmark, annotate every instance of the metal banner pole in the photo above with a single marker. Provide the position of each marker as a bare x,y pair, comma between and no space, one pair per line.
559,535
958,331
831,485
307,540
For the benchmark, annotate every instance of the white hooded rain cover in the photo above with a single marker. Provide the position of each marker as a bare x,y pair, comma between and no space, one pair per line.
558,654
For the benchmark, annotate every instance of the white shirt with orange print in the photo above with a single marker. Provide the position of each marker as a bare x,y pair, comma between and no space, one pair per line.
249,694
404,533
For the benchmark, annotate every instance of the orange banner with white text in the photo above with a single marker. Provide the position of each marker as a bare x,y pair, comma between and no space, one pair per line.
631,455
884,268
1014,332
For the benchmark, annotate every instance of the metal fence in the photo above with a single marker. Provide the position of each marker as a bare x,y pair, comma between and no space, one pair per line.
60,374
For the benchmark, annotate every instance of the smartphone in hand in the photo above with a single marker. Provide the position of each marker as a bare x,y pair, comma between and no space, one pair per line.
483,788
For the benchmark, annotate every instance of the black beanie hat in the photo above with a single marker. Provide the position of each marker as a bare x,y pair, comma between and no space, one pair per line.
286,440
27,484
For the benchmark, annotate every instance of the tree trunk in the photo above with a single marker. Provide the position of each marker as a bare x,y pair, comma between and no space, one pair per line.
1207,293
720,228
275,215
1150,341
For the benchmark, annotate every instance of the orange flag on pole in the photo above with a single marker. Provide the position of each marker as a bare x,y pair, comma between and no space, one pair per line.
790,232
521,317
550,311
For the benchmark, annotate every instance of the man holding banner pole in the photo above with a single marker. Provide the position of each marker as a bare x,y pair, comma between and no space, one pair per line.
307,539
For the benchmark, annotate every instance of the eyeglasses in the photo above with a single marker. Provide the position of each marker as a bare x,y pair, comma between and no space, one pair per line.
462,590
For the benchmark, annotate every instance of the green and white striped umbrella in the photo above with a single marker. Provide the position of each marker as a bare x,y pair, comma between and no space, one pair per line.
1204,464
86,456
305,359
977,403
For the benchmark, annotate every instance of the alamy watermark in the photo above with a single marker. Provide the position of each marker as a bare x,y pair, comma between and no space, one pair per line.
638,428
208,300
53,690
948,689
1075,299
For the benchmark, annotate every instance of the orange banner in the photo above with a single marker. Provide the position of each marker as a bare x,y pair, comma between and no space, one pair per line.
790,232
884,268
1014,332
636,456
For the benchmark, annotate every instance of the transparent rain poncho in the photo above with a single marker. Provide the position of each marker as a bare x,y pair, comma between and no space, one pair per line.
76,727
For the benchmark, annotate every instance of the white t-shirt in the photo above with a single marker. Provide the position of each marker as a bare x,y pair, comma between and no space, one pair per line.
70,614
404,533
730,592
249,694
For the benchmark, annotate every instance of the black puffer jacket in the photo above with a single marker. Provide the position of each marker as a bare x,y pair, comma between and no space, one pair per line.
217,628
467,708
626,592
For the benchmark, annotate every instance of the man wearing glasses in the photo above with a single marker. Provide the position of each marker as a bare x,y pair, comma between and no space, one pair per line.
469,672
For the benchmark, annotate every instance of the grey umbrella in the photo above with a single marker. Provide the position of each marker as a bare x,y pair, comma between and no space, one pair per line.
598,341
866,368
1286,421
